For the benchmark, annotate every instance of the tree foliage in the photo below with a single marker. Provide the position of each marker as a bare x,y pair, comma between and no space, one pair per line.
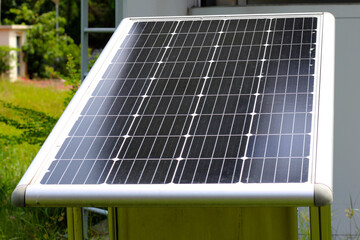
47,47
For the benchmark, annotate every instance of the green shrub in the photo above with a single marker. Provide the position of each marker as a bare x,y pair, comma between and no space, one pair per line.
6,55
73,78
47,48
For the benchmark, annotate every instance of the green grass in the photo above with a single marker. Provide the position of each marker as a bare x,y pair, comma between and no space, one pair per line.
27,115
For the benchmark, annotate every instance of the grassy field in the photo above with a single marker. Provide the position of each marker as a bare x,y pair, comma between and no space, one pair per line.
27,115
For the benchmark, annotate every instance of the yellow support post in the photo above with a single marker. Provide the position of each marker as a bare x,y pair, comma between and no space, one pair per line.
112,221
74,223
320,223
70,223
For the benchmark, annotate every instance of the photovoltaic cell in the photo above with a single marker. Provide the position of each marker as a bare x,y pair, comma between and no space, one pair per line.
196,102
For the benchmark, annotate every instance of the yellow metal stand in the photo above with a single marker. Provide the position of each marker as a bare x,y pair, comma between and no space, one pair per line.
214,223
203,223
320,223
75,223
112,221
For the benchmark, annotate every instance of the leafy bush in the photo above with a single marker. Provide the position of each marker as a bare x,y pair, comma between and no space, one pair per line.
6,55
47,47
73,78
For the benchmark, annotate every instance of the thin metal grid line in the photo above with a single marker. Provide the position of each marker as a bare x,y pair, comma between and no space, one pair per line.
256,31
77,147
184,114
212,155
200,135
272,104
203,86
192,180
255,102
154,115
113,105
155,111
167,159
211,115
213,108
166,111
258,114
134,116
293,121
122,144
259,84
208,46
280,75
253,34
282,118
197,104
207,95
245,120
223,114
192,117
314,31
270,113
155,136
230,60
295,109
75,175
177,112
273,100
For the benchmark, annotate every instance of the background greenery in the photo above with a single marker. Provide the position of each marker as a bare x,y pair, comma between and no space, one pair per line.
27,115
47,48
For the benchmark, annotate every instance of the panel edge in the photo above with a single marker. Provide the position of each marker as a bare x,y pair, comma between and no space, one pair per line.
323,172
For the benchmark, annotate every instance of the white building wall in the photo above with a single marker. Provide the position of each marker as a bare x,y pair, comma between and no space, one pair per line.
141,8
4,37
8,36
12,43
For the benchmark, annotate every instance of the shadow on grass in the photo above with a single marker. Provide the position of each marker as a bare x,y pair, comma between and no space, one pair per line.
35,125
16,148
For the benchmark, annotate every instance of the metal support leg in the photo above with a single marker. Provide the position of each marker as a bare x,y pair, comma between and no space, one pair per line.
119,11
84,38
85,222
74,222
113,224
320,222
70,223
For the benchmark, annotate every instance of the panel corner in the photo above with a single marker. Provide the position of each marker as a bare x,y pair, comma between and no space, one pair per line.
18,196
323,195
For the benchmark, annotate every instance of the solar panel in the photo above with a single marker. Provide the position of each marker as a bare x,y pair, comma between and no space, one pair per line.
187,109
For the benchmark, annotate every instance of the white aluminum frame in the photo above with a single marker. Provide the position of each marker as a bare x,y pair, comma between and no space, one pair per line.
316,192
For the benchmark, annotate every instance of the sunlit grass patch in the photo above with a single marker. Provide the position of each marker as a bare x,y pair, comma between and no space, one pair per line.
27,115
48,100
